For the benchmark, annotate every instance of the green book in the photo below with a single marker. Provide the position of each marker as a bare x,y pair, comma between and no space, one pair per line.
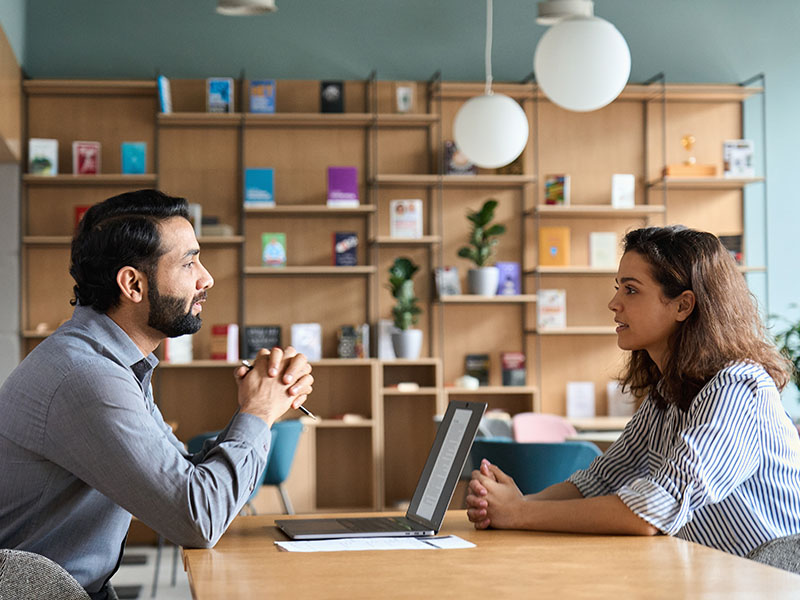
273,249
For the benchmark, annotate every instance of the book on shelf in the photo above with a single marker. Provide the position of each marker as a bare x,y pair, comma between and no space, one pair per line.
580,399
513,365
477,366
331,96
178,350
85,158
737,158
385,348
42,156
353,341
556,190
405,218
621,403
196,217
307,339
216,229
509,282
273,249
80,210
259,187
733,244
623,190
603,249
164,95
345,248
404,96
551,309
225,342
219,95
343,187
447,281
133,158
257,337
554,246
456,162
262,96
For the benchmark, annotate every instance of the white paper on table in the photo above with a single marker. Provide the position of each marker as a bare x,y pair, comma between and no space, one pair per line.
380,543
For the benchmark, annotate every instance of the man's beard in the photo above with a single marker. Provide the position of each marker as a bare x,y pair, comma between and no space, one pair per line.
167,314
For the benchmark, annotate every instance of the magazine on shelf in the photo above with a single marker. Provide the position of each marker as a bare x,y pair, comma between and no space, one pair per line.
42,156
178,350
219,95
262,96
85,158
405,218
259,187
580,399
134,157
477,366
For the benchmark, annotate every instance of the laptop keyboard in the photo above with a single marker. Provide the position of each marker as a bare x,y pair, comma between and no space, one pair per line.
375,524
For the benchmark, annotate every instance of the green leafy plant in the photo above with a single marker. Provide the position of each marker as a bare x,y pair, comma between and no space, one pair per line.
406,309
483,236
788,342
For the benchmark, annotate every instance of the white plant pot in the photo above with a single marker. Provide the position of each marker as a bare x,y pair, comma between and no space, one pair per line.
407,343
483,281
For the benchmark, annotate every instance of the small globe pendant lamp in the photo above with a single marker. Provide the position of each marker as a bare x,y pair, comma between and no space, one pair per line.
491,130
582,62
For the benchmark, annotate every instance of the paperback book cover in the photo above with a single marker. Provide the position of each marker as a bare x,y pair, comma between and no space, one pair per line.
164,95
273,249
603,249
134,157
343,187
733,244
43,156
259,186
225,342
556,190
580,399
85,158
331,96
513,365
262,96
307,339
477,366
385,348
404,96
551,309
447,281
510,280
456,162
554,246
178,350
219,94
257,337
623,190
353,341
345,248
80,210
405,218
737,158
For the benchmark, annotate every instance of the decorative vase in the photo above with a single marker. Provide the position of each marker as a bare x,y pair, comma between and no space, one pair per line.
483,281
407,343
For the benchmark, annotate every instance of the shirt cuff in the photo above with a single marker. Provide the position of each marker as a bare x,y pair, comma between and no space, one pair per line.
589,485
654,504
251,430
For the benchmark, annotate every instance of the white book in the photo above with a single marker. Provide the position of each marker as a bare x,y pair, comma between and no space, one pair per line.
551,309
603,249
307,339
580,399
737,158
43,156
385,348
623,190
178,350
405,218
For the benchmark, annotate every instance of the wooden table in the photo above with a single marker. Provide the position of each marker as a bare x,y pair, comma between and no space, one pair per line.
505,564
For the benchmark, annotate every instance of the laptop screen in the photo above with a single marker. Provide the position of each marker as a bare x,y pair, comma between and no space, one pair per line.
445,462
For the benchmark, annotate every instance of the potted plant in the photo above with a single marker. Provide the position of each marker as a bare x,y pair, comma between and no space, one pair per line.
407,342
484,277
788,342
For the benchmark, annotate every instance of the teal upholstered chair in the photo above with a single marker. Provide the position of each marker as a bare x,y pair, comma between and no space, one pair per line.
535,466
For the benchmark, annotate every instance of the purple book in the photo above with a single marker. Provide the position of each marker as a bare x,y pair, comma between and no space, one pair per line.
343,187
509,283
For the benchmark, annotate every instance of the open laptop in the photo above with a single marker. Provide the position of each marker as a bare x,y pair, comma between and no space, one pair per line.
431,498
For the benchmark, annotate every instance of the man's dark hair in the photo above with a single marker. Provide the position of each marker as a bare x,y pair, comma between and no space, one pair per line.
118,232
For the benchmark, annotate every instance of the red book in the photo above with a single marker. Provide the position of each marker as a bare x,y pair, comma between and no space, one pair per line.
225,342
80,210
85,158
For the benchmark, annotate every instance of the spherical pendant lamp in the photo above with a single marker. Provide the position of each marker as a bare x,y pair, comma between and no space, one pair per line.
582,63
491,130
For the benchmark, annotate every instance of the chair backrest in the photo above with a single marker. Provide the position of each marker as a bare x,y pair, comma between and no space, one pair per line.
285,436
195,444
783,553
535,466
29,575
540,427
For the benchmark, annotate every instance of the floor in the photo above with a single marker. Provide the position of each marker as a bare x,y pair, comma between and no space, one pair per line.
138,569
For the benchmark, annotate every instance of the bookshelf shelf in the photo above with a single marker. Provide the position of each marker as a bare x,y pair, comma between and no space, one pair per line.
46,240
336,120
315,210
475,299
491,390
411,180
407,120
339,424
489,181
199,119
704,183
425,240
309,271
89,87
596,211
423,391
571,270
102,179
575,330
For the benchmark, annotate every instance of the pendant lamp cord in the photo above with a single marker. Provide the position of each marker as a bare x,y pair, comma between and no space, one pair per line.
488,47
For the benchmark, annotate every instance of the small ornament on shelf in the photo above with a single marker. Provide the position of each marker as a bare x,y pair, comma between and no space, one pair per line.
689,167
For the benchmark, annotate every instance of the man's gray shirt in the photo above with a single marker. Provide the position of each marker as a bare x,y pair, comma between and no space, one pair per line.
83,446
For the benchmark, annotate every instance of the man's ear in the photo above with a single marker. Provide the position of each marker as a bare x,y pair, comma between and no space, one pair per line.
132,284
686,302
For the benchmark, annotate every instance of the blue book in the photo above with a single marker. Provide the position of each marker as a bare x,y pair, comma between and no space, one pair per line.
219,98
262,96
259,186
164,95
134,157
345,249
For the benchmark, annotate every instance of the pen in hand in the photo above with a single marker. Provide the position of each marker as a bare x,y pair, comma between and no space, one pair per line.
249,366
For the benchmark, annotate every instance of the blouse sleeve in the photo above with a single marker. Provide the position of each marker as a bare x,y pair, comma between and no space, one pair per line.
715,452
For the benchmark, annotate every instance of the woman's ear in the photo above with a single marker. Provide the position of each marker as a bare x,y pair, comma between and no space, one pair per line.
686,302
132,284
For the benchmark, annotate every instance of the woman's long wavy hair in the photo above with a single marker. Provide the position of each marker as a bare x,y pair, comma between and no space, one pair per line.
724,326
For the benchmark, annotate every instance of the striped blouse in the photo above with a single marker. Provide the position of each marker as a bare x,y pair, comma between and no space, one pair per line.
725,474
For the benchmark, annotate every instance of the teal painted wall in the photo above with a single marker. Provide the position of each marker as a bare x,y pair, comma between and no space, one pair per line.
12,20
691,41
